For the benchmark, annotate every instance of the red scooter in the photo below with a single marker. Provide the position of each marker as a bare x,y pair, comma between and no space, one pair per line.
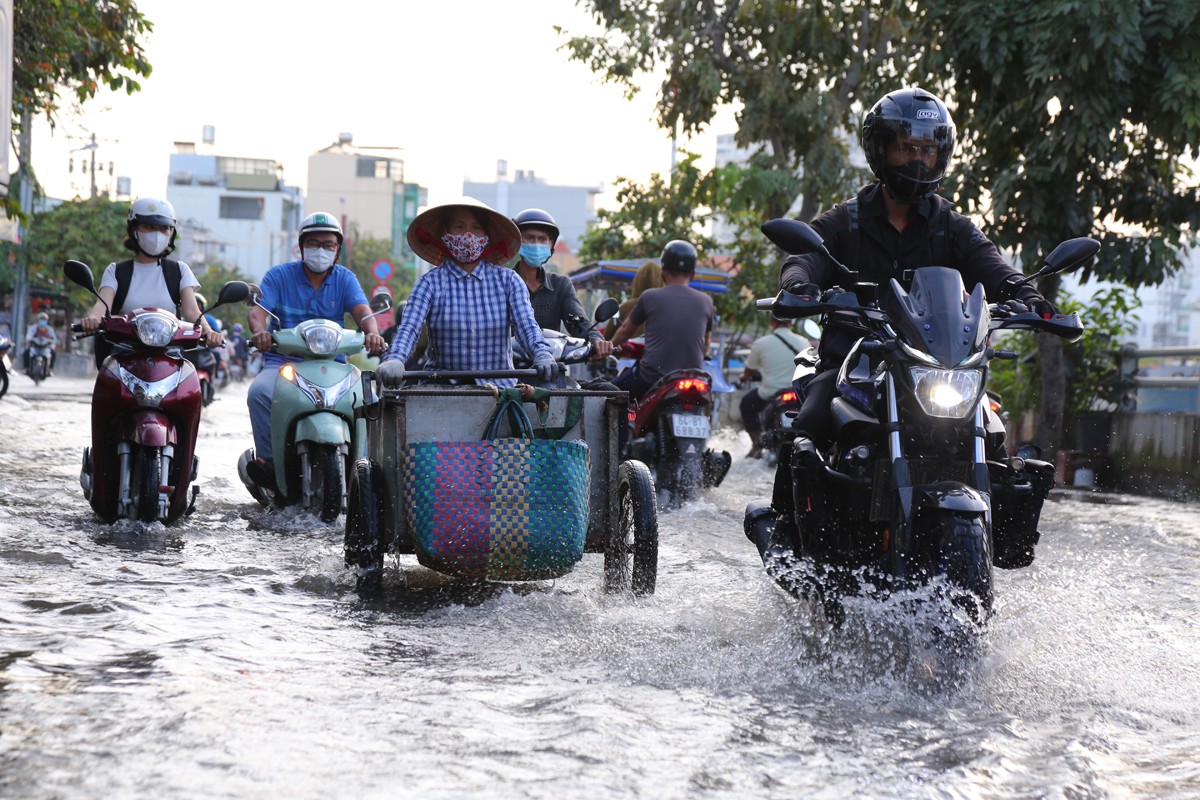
145,412
670,427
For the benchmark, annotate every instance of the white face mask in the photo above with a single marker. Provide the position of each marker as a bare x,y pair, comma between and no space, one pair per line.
152,242
318,259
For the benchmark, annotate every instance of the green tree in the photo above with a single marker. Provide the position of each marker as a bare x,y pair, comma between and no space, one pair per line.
1076,115
212,277
1078,118
74,47
363,252
649,216
91,231
794,70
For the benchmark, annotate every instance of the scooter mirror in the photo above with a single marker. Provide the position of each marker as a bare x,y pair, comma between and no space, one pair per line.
233,292
255,295
381,301
607,310
80,274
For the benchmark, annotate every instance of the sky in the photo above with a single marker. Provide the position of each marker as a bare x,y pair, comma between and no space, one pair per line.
457,84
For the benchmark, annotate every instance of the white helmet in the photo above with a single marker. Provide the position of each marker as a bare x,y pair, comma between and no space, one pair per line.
149,211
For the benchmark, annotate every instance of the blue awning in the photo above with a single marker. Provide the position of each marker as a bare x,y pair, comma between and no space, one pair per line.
616,275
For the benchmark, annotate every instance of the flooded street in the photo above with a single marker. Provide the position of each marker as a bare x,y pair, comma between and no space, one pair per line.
229,657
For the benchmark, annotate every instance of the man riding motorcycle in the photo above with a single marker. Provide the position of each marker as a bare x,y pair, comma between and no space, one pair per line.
896,224
41,330
315,287
773,357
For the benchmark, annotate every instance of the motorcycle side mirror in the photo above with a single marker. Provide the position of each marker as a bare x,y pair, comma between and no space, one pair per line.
1067,257
607,310
232,292
80,274
382,301
798,238
255,295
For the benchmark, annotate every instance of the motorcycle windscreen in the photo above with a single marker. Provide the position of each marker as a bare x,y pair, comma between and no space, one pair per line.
937,316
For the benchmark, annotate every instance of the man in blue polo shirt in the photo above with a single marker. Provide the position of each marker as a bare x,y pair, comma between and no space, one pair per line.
316,287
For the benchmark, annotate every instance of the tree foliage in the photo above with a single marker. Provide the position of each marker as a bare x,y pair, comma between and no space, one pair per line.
90,231
795,70
361,255
75,46
1076,117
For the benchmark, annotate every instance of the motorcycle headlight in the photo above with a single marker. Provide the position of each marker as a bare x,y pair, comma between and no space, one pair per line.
949,393
323,340
155,330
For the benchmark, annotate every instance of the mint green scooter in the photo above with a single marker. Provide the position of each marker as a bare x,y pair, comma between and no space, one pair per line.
314,430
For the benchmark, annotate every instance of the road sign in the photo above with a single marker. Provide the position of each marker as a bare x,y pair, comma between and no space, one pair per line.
382,269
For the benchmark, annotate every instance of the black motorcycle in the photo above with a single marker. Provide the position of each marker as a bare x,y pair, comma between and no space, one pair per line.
918,487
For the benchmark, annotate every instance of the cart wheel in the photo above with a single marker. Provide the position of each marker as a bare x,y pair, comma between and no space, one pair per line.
364,541
635,534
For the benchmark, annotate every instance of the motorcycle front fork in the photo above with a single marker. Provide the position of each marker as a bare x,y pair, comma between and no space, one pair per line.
125,500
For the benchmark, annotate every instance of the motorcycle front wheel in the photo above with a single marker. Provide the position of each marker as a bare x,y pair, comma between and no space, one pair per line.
147,478
964,559
328,481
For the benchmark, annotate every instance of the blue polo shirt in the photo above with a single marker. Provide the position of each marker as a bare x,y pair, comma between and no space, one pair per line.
287,294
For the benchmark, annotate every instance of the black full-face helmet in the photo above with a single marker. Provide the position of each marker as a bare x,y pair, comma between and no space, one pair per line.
537,218
914,114
679,256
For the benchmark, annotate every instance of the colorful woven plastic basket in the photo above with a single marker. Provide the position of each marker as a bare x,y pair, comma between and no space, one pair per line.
500,509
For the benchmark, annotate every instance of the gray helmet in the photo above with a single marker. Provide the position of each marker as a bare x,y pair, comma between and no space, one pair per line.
679,256
536,218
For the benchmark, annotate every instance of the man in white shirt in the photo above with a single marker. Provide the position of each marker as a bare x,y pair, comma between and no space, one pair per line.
773,357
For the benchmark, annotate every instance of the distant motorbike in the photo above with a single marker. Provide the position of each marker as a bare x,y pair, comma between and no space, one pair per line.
40,350
145,412
5,363
317,429
205,362
670,430
917,484
565,349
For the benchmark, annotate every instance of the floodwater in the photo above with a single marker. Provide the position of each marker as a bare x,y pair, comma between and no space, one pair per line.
229,657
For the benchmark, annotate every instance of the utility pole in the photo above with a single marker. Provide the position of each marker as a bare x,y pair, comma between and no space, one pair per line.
20,289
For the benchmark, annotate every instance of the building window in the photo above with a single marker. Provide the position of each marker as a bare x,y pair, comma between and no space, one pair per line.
369,167
241,208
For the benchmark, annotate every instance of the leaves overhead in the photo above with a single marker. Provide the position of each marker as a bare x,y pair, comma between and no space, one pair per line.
75,46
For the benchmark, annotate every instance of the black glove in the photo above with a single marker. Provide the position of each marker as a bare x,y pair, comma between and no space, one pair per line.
806,289
1037,304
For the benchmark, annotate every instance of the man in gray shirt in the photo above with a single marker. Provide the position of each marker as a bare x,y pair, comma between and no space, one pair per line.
678,319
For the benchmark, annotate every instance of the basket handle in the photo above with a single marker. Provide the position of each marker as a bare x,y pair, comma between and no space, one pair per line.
508,402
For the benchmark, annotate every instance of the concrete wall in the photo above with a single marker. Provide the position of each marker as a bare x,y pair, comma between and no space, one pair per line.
1155,454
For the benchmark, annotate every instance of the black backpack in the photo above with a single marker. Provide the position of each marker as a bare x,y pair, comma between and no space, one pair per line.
171,273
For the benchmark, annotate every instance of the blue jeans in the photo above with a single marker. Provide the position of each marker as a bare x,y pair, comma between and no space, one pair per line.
258,398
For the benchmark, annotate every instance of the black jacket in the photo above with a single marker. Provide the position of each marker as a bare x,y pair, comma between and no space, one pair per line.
858,234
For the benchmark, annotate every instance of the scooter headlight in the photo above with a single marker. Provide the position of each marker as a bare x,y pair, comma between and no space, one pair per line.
948,393
155,330
323,340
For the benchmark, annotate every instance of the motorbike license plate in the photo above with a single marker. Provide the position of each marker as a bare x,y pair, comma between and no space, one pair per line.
689,426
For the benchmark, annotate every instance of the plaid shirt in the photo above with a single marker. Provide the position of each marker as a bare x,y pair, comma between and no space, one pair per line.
471,318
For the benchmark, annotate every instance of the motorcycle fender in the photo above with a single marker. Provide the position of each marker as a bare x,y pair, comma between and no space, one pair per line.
148,428
323,429
950,496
